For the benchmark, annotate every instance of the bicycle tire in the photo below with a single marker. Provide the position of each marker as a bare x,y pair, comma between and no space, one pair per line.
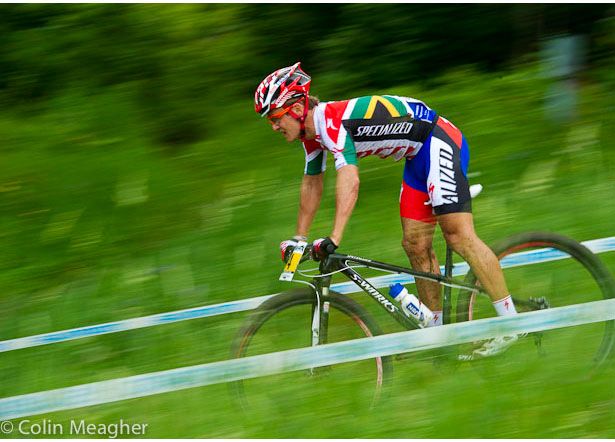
590,262
305,297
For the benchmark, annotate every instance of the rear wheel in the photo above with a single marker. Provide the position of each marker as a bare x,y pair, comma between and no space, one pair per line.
284,323
555,281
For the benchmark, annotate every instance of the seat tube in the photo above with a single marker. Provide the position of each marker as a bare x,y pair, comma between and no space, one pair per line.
446,301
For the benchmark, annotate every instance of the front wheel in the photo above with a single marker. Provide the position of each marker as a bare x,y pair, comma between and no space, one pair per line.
568,273
284,323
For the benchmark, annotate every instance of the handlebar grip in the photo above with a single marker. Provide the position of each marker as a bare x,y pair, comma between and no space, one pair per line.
307,254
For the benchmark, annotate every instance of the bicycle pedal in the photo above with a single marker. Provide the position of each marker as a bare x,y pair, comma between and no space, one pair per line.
541,302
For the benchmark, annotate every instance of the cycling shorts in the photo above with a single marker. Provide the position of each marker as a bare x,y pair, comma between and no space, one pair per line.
435,181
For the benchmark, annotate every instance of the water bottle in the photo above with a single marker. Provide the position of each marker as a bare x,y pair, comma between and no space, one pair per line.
410,304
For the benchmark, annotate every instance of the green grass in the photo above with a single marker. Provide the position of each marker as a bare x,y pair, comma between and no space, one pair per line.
99,224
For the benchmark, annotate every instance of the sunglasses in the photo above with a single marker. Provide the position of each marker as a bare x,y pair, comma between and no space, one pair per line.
275,117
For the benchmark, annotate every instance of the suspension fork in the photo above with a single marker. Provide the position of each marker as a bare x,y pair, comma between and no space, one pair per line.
320,317
320,311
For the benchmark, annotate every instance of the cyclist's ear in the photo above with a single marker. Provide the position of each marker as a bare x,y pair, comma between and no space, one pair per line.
298,108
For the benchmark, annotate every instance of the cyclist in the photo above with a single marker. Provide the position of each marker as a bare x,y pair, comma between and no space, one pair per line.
434,188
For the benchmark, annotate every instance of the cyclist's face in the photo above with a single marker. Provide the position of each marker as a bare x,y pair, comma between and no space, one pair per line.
285,124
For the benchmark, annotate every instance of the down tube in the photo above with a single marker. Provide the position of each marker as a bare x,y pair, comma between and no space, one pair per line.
407,322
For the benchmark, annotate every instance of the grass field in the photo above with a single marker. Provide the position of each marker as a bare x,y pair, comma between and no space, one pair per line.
98,224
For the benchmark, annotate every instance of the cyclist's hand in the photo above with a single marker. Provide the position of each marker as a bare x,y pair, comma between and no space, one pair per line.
323,247
287,246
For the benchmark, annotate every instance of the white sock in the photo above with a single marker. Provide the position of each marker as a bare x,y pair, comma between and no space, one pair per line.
505,307
437,318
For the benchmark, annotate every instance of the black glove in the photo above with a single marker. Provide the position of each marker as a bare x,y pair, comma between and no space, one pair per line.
323,247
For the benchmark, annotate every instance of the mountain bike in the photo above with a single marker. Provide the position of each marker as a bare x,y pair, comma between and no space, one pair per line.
567,273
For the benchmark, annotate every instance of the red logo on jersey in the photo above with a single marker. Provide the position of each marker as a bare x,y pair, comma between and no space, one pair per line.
334,113
330,124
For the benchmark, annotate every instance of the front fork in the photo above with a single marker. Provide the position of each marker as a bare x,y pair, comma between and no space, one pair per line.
320,311
320,317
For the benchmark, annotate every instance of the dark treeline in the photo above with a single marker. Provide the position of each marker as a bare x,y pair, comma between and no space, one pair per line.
179,61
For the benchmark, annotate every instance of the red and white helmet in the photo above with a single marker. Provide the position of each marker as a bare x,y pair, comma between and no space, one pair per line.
279,87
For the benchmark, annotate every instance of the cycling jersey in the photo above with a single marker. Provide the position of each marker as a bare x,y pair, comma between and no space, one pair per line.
374,125
434,180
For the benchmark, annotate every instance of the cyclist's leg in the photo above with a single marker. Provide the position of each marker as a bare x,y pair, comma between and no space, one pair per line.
417,242
418,224
450,197
458,230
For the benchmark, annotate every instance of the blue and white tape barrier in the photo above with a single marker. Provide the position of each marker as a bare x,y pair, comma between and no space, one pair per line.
132,324
244,368
517,259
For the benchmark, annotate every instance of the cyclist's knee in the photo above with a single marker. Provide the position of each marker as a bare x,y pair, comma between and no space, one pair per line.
454,238
417,248
460,235
458,230
417,240
462,241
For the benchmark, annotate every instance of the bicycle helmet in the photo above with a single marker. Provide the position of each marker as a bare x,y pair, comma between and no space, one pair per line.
279,87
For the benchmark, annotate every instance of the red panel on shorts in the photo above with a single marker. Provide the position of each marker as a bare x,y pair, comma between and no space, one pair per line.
451,131
412,205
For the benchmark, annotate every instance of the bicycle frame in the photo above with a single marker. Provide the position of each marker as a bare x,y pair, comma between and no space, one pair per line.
341,262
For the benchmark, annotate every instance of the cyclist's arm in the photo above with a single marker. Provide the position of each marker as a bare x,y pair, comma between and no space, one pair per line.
311,185
347,192
311,194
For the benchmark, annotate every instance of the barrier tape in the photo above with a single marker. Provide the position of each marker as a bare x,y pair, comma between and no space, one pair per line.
262,365
523,258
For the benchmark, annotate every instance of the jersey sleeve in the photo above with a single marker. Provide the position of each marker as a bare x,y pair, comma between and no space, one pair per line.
315,158
346,156
334,134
